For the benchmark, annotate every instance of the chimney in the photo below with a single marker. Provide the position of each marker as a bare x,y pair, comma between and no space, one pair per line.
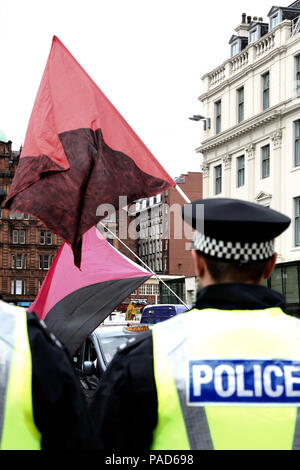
248,19
260,19
242,29
254,18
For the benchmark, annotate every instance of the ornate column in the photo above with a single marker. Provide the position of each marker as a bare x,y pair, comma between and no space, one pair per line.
226,161
277,173
250,170
205,176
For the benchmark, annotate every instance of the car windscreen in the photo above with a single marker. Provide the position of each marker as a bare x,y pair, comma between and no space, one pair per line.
109,346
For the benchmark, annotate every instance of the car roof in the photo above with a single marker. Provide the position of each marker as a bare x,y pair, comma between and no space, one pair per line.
119,330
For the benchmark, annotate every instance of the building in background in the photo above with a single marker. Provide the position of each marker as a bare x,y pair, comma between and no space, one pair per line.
251,148
163,240
27,248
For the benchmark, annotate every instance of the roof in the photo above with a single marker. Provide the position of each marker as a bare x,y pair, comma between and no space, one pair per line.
295,4
294,7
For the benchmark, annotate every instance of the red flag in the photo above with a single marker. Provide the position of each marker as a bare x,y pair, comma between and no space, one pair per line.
78,153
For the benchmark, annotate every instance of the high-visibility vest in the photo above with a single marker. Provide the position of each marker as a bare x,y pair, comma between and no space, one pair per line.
17,428
227,380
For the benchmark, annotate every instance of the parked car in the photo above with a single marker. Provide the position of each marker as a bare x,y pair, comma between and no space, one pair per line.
160,312
94,355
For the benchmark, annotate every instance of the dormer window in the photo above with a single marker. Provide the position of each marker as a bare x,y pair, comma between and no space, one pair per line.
278,14
237,43
274,20
235,49
256,30
253,35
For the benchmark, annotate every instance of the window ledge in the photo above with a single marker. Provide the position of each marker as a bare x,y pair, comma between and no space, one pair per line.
295,168
296,248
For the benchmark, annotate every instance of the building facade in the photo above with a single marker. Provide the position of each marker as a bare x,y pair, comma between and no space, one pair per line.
162,241
27,248
251,147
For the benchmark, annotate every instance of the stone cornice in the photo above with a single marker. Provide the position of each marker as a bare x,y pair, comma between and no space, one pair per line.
247,126
237,131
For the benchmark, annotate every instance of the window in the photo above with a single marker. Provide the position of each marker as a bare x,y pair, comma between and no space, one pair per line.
18,287
240,94
18,236
290,281
253,36
22,237
266,90
240,171
26,216
218,116
297,142
218,179
274,20
42,237
49,238
235,48
15,236
19,264
142,290
149,289
44,262
265,161
298,74
13,262
297,221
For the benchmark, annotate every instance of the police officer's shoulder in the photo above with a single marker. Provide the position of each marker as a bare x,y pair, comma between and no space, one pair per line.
34,322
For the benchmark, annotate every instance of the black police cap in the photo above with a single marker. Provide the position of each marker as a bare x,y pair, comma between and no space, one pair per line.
234,229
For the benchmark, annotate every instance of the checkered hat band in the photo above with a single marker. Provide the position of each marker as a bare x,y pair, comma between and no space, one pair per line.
234,251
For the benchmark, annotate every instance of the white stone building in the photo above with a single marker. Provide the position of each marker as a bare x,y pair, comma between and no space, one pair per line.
251,151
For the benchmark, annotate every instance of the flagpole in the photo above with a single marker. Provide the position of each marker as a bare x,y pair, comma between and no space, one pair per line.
182,194
149,269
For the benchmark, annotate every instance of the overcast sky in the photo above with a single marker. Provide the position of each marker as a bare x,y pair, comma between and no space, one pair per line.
148,58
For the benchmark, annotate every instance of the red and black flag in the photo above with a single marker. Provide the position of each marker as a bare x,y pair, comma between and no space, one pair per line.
73,302
78,153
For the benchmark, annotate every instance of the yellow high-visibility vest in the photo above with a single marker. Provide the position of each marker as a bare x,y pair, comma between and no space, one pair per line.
228,380
17,428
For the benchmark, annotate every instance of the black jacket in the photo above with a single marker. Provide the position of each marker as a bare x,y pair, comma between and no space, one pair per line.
124,408
59,408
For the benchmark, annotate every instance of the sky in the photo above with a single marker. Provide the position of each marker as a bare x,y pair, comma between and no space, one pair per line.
147,57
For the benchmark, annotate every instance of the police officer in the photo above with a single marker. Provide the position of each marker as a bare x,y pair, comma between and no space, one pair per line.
225,375
41,403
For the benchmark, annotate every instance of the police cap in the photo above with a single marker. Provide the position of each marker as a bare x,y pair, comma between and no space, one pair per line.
234,230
